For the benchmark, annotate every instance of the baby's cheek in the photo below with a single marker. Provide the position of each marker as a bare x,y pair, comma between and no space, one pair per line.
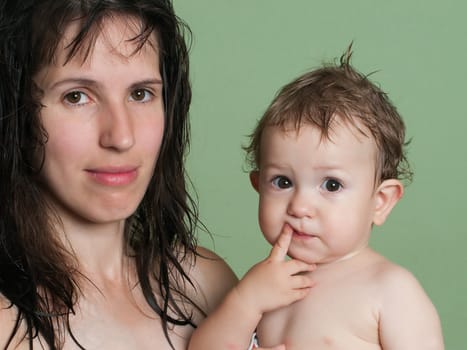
270,227
271,215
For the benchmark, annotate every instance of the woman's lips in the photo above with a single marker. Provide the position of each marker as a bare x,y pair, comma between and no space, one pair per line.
114,176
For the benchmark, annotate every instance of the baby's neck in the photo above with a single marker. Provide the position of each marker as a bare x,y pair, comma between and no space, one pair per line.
353,261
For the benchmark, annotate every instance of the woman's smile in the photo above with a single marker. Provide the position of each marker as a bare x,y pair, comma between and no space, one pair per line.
114,176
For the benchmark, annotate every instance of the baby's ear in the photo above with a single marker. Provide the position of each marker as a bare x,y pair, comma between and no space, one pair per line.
254,179
387,195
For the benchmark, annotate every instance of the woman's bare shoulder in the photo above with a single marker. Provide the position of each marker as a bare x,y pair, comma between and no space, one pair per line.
8,316
212,277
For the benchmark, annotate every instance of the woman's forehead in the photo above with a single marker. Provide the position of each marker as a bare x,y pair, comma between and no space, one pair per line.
120,34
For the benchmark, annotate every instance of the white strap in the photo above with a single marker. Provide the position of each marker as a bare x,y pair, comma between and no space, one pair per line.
253,342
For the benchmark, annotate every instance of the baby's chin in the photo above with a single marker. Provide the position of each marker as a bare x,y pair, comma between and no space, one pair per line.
302,257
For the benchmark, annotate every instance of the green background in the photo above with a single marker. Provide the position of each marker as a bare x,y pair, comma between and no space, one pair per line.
243,51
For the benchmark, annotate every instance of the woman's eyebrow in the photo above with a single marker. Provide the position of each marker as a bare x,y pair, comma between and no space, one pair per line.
155,81
77,81
92,82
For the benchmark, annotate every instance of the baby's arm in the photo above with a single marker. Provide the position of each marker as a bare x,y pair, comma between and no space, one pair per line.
270,284
408,319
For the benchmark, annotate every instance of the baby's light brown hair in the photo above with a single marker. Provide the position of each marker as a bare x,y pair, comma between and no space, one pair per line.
340,91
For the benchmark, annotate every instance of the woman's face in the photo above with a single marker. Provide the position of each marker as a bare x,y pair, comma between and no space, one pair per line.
104,117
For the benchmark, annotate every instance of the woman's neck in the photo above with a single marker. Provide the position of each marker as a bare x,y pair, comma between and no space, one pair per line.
99,249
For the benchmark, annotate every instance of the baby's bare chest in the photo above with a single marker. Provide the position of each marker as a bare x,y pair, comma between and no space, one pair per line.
330,317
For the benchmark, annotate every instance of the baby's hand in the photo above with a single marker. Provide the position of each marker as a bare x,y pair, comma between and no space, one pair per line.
275,281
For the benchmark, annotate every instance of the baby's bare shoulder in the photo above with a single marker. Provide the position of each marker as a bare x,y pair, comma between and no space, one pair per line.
392,276
391,282
408,318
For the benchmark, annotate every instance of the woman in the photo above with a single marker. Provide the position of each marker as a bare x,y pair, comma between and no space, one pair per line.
96,234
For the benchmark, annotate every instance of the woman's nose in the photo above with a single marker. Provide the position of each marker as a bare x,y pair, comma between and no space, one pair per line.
117,129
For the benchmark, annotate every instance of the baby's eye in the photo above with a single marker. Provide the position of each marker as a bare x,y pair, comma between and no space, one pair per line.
141,95
331,185
76,98
281,182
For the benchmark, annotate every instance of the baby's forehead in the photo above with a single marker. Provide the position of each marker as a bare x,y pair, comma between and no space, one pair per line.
340,135
328,132
306,150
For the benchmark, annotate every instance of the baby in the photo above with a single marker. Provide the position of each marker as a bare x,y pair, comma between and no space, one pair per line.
328,163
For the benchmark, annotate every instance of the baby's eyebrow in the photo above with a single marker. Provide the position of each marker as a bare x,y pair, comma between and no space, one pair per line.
274,165
328,167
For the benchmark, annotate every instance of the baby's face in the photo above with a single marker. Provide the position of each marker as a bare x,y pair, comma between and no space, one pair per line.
323,188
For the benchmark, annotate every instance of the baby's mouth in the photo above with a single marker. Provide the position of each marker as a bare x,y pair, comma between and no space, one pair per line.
303,235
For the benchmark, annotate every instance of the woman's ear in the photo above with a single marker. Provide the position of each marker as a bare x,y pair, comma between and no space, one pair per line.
254,179
387,195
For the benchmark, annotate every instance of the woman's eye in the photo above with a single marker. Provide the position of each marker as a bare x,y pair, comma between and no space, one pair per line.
281,182
141,95
331,185
76,98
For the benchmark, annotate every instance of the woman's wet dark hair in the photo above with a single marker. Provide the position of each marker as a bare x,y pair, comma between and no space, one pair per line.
37,275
